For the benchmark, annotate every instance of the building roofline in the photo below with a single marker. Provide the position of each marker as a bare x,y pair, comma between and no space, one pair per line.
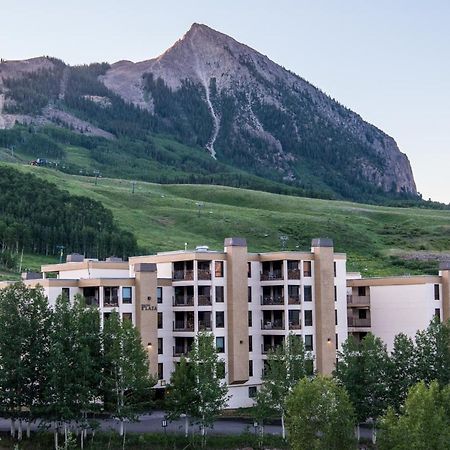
395,280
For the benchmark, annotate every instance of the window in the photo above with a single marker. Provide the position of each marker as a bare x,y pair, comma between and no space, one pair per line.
437,313
220,319
219,294
335,293
160,371
307,294
306,268
249,269
110,296
218,269
252,391
249,294
337,344
160,346
159,295
308,318
334,268
250,319
66,293
294,319
436,292
126,295
362,313
250,368
106,316
309,342
220,344
127,316
160,320
335,317
361,291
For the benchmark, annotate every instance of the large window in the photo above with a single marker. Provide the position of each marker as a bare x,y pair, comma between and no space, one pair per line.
307,294
159,295
66,293
306,268
126,295
160,320
220,344
160,346
250,319
308,318
361,291
110,296
219,294
218,269
436,292
309,342
127,316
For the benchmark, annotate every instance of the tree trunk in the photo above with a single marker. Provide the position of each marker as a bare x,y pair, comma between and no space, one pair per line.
13,428
29,429
283,429
19,430
56,438
121,428
65,436
123,441
186,426
82,439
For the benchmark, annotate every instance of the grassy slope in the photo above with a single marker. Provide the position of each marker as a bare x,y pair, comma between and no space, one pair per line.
164,217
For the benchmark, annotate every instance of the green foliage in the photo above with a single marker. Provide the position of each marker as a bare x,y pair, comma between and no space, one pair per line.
320,416
363,369
423,425
37,217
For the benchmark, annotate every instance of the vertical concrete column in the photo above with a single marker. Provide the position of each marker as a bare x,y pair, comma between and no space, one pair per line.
237,309
325,344
444,268
147,310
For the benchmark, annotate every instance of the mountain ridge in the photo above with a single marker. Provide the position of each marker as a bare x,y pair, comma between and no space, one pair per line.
211,91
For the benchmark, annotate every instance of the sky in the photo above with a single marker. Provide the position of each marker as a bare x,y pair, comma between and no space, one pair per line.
388,60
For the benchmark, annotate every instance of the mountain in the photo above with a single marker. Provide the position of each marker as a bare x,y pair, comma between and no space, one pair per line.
208,110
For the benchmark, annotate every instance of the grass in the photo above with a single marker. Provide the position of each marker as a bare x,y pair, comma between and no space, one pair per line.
378,240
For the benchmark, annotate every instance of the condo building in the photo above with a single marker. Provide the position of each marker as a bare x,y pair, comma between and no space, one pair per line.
250,302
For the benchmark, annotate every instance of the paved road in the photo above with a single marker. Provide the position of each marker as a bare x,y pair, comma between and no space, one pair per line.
151,423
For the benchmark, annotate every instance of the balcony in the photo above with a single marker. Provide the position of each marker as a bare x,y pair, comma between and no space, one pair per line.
92,301
183,275
204,300
204,325
112,302
182,326
294,300
272,275
295,326
204,274
355,300
179,351
356,322
183,301
272,325
272,300
293,274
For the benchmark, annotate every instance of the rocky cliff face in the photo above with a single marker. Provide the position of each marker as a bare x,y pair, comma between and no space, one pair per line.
211,91
262,93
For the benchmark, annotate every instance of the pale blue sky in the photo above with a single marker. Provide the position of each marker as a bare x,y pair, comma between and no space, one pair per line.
388,60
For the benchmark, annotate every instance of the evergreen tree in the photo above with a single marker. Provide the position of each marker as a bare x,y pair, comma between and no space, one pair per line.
320,416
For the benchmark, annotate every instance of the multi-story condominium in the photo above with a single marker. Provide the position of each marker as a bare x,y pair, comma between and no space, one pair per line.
392,305
249,301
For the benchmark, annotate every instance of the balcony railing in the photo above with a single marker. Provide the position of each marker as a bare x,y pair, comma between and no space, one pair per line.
354,300
272,300
204,300
272,275
356,322
204,274
112,302
183,275
294,300
179,351
183,301
204,325
295,326
92,301
272,325
293,274
181,326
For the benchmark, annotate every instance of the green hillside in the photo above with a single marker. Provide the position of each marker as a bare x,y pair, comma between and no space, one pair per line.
378,240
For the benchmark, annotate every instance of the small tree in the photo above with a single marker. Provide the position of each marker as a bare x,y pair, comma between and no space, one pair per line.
363,370
286,366
425,423
127,384
402,370
181,395
262,410
320,416
210,390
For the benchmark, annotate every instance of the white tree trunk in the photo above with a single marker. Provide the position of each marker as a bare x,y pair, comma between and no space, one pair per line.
65,436
29,429
121,428
19,430
56,438
12,428
186,426
283,429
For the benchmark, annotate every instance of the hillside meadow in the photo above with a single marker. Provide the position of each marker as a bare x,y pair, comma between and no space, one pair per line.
378,240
